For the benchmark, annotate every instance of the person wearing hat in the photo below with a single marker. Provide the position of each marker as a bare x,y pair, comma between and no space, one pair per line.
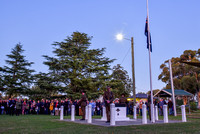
123,100
108,99
83,103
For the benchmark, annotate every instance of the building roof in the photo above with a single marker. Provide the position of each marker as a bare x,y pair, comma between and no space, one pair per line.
168,93
140,96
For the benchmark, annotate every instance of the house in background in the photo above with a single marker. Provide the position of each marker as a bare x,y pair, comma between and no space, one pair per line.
139,97
179,94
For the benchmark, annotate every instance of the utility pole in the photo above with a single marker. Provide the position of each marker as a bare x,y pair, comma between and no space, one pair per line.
133,71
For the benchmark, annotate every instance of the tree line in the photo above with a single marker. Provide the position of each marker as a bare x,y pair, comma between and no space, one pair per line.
185,76
73,68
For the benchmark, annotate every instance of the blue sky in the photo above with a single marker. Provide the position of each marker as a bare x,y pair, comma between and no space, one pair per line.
174,27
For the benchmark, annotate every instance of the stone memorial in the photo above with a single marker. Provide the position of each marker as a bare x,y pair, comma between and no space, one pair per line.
120,113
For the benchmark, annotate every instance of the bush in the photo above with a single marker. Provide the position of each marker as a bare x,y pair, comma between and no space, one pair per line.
179,102
193,106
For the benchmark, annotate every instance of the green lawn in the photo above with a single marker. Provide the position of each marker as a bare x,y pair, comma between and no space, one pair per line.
50,124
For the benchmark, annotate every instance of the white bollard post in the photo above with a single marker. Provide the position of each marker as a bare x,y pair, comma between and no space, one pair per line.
89,114
156,113
152,114
144,114
112,114
61,113
104,118
86,112
183,113
72,113
165,112
135,113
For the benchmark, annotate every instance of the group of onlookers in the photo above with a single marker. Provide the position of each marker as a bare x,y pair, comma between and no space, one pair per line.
25,106
159,103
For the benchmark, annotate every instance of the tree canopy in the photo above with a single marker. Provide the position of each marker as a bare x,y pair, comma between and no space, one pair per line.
183,74
75,67
120,81
16,78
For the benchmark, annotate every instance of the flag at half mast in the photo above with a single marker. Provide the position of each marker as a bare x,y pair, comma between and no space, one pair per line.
148,35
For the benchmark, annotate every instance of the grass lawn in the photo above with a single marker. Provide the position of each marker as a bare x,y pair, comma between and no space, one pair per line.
47,124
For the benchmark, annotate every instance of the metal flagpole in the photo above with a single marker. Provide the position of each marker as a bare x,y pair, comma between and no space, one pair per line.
152,106
172,87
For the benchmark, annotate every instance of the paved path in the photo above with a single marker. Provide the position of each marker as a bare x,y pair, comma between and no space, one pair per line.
119,123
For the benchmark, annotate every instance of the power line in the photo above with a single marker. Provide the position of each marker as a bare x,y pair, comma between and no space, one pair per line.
125,55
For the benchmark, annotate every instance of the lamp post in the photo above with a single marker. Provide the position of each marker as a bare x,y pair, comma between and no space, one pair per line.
121,37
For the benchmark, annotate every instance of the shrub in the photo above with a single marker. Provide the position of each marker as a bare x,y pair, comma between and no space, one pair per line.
193,106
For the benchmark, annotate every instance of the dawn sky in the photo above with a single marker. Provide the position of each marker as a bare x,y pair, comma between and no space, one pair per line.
174,27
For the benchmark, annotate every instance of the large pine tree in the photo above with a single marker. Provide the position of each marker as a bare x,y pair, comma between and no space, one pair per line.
16,77
77,67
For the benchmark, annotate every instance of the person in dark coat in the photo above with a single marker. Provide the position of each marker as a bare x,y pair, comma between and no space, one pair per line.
38,107
149,105
98,107
46,107
170,105
83,103
108,99
42,106
76,108
12,106
66,103
123,100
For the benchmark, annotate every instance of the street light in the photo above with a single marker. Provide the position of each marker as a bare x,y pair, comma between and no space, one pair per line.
121,37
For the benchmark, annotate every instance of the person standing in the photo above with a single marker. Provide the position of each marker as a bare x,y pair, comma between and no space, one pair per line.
161,104
170,105
98,107
51,107
42,106
38,107
46,107
66,103
108,99
18,107
83,103
149,105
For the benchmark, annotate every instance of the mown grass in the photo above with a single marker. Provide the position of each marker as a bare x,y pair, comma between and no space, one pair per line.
46,124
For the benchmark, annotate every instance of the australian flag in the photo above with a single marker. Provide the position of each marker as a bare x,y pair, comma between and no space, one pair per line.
147,33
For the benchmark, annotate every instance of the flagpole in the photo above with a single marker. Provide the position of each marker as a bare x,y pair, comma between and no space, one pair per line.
149,42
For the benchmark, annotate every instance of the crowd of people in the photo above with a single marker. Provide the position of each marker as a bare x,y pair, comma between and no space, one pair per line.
159,103
47,107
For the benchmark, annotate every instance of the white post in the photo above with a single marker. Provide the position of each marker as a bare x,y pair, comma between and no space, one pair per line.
135,113
89,114
144,114
165,112
104,118
152,113
61,113
112,114
156,113
183,113
86,112
72,113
